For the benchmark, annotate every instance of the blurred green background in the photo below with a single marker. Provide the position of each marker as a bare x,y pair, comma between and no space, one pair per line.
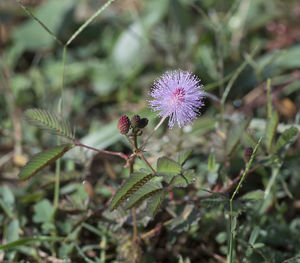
110,68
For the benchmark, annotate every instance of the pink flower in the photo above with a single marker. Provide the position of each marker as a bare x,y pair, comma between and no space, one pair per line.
178,95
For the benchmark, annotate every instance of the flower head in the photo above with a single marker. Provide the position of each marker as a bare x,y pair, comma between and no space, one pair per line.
177,95
124,124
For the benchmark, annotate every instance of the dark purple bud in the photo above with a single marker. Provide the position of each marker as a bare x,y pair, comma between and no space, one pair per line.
135,121
247,154
124,124
143,123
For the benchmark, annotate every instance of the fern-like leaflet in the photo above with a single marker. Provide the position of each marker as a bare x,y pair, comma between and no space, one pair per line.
50,122
42,159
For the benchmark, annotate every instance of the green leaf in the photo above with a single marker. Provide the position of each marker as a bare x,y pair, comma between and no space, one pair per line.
190,216
183,156
42,159
13,231
221,237
8,197
184,179
155,202
126,48
50,122
215,200
168,168
254,234
271,131
26,240
43,211
133,183
146,191
286,137
211,162
256,195
258,245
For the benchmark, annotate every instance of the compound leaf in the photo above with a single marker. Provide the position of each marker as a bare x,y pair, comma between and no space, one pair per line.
286,137
133,183
155,202
42,159
49,121
183,156
168,168
143,193
184,179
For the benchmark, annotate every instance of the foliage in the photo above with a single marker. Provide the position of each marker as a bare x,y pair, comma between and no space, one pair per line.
91,69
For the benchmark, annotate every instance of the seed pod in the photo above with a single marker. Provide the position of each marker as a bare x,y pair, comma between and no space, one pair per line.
135,121
247,154
143,123
124,124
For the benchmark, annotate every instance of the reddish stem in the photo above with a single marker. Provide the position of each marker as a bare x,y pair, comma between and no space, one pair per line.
120,154
140,154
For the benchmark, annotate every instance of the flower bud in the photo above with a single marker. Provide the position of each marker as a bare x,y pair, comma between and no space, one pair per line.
135,121
247,154
124,124
143,123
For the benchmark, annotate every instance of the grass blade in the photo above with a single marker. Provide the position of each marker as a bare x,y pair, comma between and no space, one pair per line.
26,240
271,131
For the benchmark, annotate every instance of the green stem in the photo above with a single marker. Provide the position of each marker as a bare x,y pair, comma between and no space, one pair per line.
269,99
82,27
230,254
58,162
28,12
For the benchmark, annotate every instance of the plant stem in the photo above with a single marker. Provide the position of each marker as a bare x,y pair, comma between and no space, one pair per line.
58,162
146,161
28,12
82,27
120,154
269,99
154,130
133,210
230,254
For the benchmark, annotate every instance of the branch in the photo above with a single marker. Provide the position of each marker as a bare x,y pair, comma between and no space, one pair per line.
120,154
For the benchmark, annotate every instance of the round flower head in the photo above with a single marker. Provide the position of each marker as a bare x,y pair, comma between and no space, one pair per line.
177,95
